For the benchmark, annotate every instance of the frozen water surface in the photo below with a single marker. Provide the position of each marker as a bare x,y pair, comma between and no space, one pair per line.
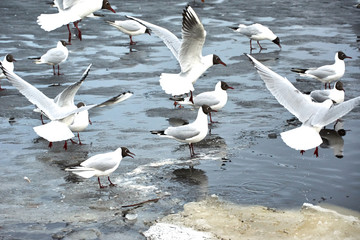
243,161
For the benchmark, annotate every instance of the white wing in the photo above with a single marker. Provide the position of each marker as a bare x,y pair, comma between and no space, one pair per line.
36,97
102,162
287,95
66,97
170,40
337,111
193,35
182,132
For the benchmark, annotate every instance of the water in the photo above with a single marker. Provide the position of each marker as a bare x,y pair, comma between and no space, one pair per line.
243,160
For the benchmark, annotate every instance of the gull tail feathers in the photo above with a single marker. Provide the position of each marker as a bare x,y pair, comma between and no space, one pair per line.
82,171
299,70
302,138
174,84
50,22
54,131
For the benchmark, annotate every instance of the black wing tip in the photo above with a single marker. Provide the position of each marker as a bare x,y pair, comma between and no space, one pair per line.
162,132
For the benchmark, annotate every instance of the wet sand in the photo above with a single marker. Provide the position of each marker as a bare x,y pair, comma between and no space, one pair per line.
243,160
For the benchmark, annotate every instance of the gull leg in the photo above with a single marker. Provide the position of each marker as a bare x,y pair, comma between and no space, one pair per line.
69,40
65,145
131,41
316,152
54,69
101,186
111,184
77,27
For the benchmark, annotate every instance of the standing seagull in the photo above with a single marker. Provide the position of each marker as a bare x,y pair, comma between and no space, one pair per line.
257,32
71,11
327,73
8,63
131,28
101,165
190,133
215,99
188,52
54,56
314,116
337,94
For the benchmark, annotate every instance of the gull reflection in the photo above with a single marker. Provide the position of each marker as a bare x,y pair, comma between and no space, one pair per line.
332,138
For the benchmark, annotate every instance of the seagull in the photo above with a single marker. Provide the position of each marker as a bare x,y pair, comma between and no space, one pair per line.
8,63
54,56
215,99
101,165
188,52
131,28
314,116
71,11
257,32
327,73
190,133
80,121
61,116
337,94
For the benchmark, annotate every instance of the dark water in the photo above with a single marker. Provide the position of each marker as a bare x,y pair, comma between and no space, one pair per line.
241,161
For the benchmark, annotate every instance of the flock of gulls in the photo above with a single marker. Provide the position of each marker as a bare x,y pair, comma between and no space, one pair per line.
314,110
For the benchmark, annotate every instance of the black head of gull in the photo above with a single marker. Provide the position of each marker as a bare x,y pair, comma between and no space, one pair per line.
342,55
217,60
207,109
106,5
339,86
10,58
125,152
225,86
277,41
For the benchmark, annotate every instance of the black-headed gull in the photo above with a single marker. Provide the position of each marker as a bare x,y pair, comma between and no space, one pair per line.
314,116
131,28
54,56
101,164
188,52
327,73
61,116
8,63
191,133
336,94
257,32
80,121
71,11
215,99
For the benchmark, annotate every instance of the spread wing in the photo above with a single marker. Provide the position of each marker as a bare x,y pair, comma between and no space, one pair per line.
193,35
170,40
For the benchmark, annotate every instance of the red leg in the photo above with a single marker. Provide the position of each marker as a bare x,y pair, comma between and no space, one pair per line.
191,99
76,25
316,152
65,145
261,48
54,69
79,139
131,41
59,69
72,141
50,144
302,152
69,41
90,121
111,184
251,48
101,186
